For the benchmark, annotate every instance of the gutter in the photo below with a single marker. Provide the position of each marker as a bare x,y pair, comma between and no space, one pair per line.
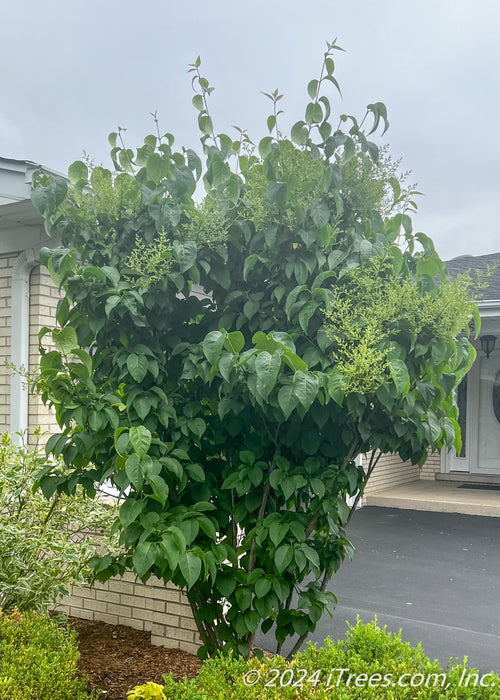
20,331
489,308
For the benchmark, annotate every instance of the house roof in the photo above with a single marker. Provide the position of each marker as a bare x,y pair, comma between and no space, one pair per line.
479,263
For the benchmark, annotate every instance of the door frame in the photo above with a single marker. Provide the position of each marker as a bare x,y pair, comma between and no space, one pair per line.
450,463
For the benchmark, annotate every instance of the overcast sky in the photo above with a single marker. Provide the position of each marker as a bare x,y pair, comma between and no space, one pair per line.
72,72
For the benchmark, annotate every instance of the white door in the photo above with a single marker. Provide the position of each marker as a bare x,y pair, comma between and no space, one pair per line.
462,462
488,461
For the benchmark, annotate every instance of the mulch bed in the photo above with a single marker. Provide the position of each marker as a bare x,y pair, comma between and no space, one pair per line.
117,658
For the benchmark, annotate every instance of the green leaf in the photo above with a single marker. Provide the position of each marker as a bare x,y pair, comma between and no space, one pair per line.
312,88
220,172
267,367
111,302
434,426
205,124
185,253
234,342
65,340
305,387
160,487
314,113
247,457
195,471
143,558
225,366
300,133
400,376
198,103
265,146
140,440
250,262
137,365
130,511
226,583
277,532
112,274
174,466
306,313
190,566
318,487
212,346
197,426
142,405
283,557
85,358
276,193
133,470
379,111
320,214
287,400
78,172
281,588
337,384
170,549
262,587
157,167
243,598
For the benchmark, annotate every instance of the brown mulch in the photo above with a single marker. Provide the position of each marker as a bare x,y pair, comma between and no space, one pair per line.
117,658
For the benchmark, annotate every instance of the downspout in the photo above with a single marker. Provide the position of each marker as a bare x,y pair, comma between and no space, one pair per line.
20,341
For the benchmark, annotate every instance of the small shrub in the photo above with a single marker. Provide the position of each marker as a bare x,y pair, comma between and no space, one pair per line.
148,691
38,660
368,653
45,543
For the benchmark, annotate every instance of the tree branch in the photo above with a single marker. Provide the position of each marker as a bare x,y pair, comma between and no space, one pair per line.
374,458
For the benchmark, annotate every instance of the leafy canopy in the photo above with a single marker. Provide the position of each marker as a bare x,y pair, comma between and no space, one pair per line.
223,362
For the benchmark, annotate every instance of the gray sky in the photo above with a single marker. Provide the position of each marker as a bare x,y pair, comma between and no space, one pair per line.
72,72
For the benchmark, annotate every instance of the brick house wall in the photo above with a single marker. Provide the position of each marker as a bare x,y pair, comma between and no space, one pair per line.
44,297
153,607
390,471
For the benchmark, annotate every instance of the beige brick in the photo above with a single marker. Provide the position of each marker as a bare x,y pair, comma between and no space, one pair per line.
123,610
61,608
178,609
180,634
159,641
188,623
128,576
152,604
158,618
130,622
74,600
101,586
108,597
81,613
121,586
190,648
132,600
105,617
84,592
96,605
156,593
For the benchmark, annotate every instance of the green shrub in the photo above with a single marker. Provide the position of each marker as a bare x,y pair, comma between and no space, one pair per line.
374,662
148,691
38,660
44,545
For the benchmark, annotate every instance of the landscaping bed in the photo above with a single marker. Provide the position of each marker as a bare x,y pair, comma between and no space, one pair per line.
117,658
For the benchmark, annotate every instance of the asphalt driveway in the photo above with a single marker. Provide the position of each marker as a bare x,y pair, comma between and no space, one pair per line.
436,576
